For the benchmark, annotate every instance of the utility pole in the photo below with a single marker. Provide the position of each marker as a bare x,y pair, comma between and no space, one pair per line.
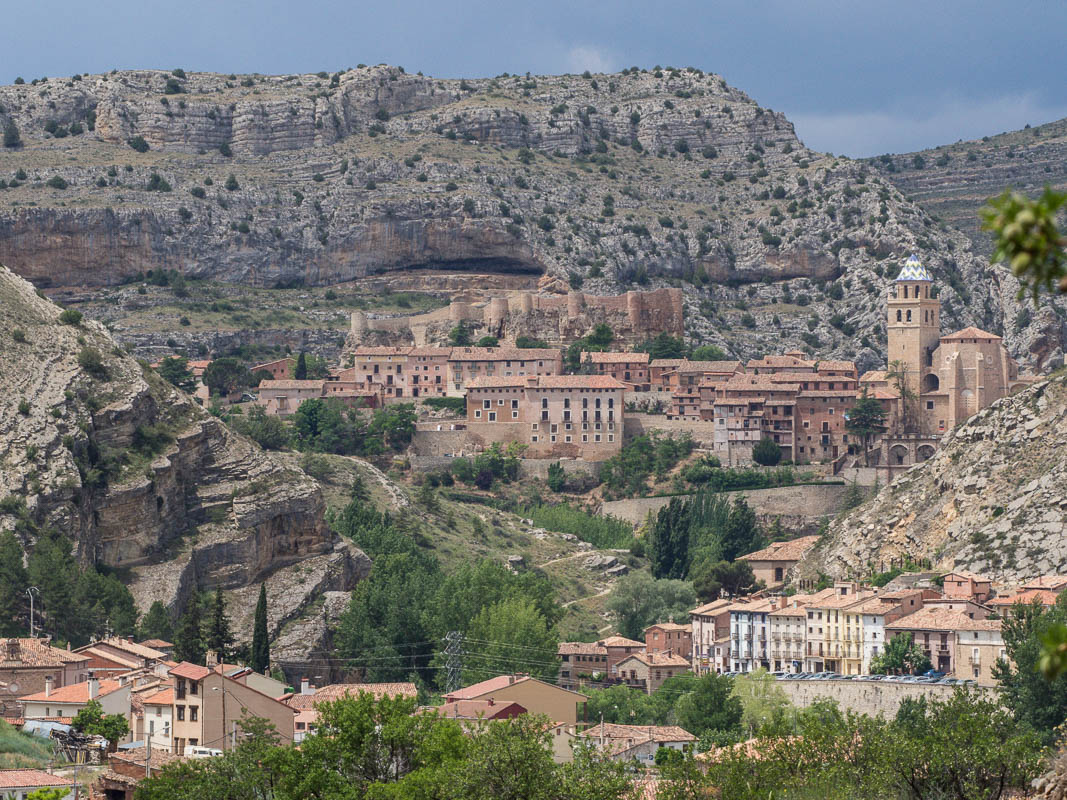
454,663
31,591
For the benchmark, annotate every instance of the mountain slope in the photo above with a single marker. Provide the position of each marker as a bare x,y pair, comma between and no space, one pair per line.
954,181
144,480
647,178
991,500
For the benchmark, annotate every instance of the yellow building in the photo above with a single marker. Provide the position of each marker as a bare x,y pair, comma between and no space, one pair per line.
834,636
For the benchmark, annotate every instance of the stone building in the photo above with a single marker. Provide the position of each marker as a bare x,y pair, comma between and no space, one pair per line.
944,379
568,416
669,637
648,671
28,665
935,630
711,636
467,364
773,562
579,662
628,368
979,646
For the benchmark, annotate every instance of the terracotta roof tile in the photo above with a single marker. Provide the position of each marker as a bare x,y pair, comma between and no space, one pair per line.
581,649
22,778
659,660
792,550
940,619
192,672
335,691
615,358
969,333
36,653
75,693
549,382
503,354
619,641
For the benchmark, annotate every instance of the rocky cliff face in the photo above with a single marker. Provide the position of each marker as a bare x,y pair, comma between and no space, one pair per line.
142,478
668,177
991,500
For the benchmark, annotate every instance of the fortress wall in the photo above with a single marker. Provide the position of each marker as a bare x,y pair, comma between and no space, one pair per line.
803,503
874,698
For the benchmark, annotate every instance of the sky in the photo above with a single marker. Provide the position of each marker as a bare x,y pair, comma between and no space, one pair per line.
856,78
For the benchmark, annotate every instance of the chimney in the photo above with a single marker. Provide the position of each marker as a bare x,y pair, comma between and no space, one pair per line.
511,679
491,701
48,682
94,688
14,650
211,659
306,687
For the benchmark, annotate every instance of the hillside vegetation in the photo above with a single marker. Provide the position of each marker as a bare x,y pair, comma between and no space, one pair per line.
640,178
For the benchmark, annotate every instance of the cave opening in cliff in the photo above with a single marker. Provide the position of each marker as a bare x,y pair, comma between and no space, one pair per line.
492,265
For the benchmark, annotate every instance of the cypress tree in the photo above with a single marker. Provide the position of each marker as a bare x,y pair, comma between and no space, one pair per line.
156,623
301,372
219,637
189,641
260,645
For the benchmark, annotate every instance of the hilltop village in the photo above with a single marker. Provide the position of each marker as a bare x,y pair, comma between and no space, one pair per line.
581,406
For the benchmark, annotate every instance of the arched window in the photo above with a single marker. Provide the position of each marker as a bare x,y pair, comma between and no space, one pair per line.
909,315
898,315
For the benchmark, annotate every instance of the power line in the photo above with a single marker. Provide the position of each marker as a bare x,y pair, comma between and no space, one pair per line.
454,664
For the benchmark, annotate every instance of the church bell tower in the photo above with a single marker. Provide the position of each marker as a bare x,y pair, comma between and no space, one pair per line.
914,324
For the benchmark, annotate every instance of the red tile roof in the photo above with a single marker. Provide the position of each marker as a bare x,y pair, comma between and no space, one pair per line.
192,672
164,697
291,384
615,358
75,693
792,550
659,659
548,382
477,709
26,778
581,649
36,653
619,641
336,691
503,354
969,333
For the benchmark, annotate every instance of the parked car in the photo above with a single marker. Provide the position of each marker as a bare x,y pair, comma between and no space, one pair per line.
933,673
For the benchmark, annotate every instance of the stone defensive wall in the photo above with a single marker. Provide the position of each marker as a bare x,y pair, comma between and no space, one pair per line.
653,312
801,507
874,698
702,431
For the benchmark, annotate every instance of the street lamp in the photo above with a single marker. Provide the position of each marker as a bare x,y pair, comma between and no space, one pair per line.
31,591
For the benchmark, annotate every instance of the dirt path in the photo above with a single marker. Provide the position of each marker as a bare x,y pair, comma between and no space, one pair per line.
589,597
566,558
397,497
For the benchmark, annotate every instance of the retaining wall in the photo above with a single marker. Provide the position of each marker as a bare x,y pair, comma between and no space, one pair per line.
800,507
874,698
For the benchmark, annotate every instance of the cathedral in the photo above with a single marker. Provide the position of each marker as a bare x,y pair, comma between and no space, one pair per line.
933,382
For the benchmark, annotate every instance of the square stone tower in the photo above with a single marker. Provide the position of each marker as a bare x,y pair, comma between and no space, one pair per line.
914,322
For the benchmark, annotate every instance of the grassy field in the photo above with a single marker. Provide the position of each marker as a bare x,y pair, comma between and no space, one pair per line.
19,750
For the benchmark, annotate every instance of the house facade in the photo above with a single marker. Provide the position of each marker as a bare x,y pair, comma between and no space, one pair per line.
711,636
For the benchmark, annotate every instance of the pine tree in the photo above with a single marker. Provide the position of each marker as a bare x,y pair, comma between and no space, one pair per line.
865,419
157,624
219,637
13,583
301,372
189,640
260,645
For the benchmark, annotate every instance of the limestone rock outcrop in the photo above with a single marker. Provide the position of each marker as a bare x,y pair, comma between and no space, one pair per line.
637,179
143,479
992,500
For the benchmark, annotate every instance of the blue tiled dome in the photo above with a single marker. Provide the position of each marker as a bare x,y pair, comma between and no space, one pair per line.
914,270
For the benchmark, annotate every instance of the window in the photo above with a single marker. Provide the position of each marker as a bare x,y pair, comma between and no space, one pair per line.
533,438
181,713
487,404
192,687
514,414
193,713
478,414
492,416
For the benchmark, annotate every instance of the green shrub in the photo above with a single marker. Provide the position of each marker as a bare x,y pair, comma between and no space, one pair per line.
90,360
231,183
457,405
156,183
56,182
139,144
198,192
18,335
71,316
24,407
12,137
